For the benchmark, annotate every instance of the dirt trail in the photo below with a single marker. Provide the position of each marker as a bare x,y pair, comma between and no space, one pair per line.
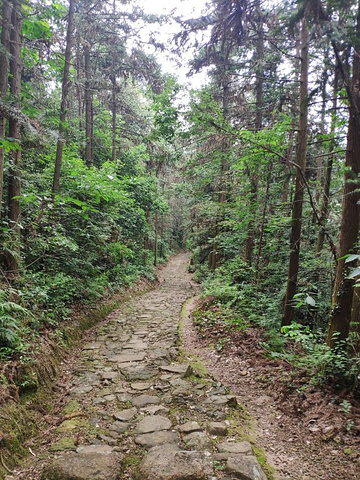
132,406
300,444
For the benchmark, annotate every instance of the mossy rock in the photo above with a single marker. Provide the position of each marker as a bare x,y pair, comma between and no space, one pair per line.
63,444
71,407
71,425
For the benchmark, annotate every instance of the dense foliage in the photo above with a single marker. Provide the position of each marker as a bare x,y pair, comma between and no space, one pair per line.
102,225
274,175
103,172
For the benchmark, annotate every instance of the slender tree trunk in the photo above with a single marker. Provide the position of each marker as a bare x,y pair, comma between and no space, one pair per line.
320,157
79,93
4,76
285,190
263,220
300,186
88,109
14,186
250,239
343,293
64,98
222,193
113,120
328,171
156,226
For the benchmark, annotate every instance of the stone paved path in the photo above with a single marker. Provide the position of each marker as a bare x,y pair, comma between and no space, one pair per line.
137,410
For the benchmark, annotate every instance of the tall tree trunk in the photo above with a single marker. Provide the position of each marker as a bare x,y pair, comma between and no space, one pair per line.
64,98
259,88
4,77
14,187
88,109
295,239
156,231
113,120
263,221
328,171
343,293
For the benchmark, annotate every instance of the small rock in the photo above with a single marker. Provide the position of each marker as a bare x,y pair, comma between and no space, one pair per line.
167,462
153,423
139,373
144,400
245,467
222,400
154,409
156,438
128,358
94,462
183,369
81,390
124,397
125,415
189,427
198,441
109,375
242,448
217,428
141,386
119,427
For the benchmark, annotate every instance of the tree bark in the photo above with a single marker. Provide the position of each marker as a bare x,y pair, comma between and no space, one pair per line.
14,185
328,172
259,88
295,239
113,119
88,109
64,99
4,77
343,292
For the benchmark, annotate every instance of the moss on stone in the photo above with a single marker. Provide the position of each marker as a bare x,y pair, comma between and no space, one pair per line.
71,407
63,444
71,425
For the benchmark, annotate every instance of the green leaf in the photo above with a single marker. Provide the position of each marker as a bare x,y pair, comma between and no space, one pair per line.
350,258
355,273
310,301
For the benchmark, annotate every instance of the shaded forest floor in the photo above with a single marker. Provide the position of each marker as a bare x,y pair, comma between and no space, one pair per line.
308,432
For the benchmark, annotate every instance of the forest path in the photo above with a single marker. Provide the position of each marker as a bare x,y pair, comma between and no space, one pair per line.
135,407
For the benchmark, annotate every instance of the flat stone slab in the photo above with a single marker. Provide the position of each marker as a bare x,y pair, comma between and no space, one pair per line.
222,400
119,427
140,386
154,409
240,448
189,427
139,373
198,441
81,390
94,462
153,423
157,438
128,357
109,375
245,467
182,369
167,462
144,400
124,397
125,415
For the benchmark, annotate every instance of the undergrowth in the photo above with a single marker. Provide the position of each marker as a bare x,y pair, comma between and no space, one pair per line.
234,302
